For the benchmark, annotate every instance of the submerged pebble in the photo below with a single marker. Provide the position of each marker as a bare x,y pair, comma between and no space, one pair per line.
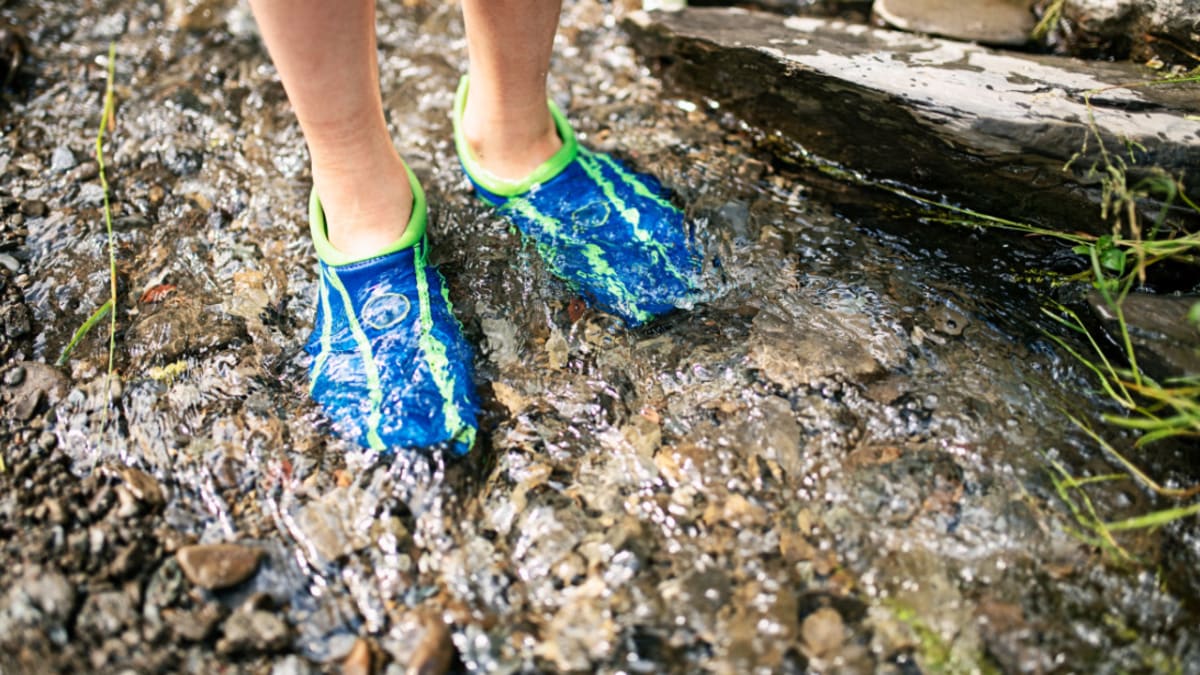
217,566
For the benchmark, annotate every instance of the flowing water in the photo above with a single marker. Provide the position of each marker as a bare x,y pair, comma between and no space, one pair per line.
839,462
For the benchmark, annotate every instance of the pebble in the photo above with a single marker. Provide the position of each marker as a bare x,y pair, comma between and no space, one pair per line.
14,376
823,632
358,661
10,263
34,208
62,159
109,27
435,652
85,171
291,665
197,625
217,566
142,486
254,631
50,592
38,382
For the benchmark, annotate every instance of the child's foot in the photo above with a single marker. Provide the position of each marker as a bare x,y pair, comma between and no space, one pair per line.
606,230
390,365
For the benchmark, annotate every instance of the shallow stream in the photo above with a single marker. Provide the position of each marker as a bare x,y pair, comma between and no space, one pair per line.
839,462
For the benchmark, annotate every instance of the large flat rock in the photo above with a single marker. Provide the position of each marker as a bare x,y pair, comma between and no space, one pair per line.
984,128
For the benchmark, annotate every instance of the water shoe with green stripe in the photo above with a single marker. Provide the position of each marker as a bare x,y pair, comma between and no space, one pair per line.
606,230
389,363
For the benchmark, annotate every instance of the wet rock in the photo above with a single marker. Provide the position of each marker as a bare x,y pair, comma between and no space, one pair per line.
38,382
9,263
773,434
855,8
109,26
936,599
195,15
142,486
85,171
34,208
165,588
989,129
17,320
254,631
14,376
107,613
948,321
425,646
181,327
1139,29
1009,637
217,566
62,159
40,598
810,339
994,22
794,547
358,661
581,631
196,625
327,526
292,665
1164,339
823,632
509,397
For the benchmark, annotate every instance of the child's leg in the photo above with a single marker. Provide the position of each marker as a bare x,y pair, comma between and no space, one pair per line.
325,53
390,366
506,121
609,232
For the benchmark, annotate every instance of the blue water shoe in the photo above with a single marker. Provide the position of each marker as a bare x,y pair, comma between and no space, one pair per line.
390,365
609,232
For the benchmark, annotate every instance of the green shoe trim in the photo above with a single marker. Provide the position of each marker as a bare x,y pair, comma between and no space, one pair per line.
435,352
502,187
590,162
374,387
335,258
602,272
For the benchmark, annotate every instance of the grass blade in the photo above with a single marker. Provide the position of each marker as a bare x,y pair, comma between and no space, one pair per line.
83,330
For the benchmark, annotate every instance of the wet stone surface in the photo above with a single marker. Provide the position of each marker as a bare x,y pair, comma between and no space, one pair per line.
1000,132
837,462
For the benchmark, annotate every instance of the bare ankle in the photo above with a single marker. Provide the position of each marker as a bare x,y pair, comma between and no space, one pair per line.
513,145
367,207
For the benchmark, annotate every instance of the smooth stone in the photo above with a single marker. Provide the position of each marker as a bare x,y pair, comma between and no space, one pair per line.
993,22
358,661
217,566
34,208
823,632
62,159
143,486
39,382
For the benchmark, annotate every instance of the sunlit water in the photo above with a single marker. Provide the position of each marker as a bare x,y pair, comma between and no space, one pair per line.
858,418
